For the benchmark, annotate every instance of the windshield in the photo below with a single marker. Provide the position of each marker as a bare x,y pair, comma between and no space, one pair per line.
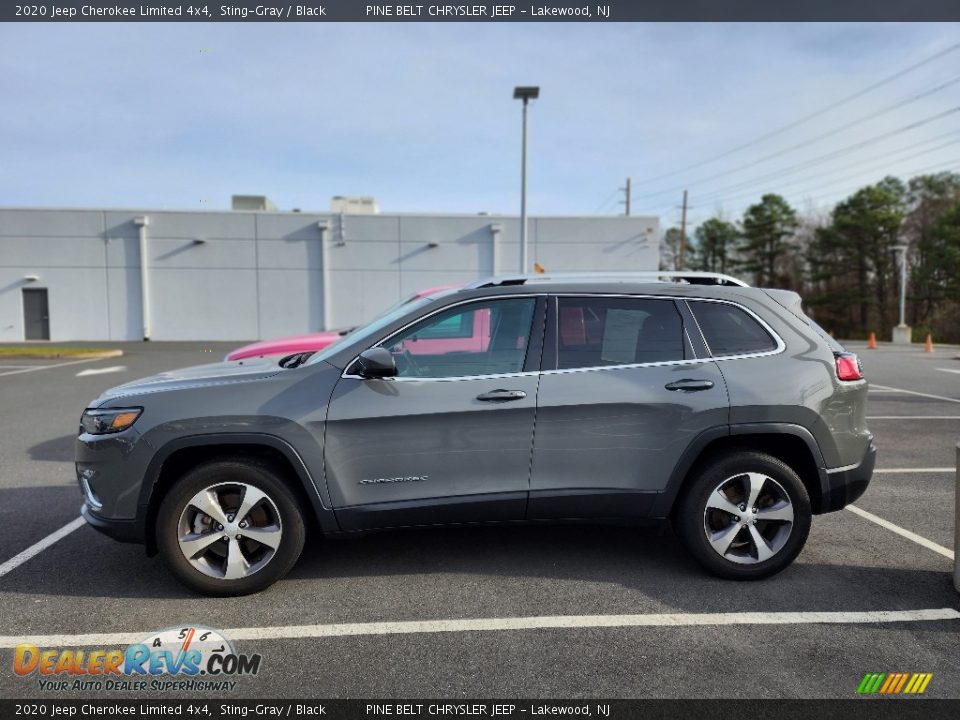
371,328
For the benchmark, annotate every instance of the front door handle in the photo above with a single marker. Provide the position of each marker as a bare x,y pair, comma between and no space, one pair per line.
688,385
502,395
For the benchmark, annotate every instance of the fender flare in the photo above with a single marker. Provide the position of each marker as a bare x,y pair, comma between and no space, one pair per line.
324,515
695,448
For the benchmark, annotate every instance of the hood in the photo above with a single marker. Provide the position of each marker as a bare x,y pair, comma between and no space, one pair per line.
287,345
213,374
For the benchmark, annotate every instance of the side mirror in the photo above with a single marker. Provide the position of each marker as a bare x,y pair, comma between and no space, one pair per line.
376,363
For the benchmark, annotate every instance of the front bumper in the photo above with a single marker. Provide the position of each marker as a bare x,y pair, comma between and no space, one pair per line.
846,485
129,531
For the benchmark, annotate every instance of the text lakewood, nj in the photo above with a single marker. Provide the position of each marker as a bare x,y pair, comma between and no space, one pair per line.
491,11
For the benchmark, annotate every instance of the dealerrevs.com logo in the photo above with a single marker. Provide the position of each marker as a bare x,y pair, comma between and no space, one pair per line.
184,659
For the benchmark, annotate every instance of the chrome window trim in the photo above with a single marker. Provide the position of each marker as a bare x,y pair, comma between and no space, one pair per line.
452,378
631,366
686,337
781,345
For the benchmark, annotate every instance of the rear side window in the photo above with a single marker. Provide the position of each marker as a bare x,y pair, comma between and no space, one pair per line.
730,330
595,331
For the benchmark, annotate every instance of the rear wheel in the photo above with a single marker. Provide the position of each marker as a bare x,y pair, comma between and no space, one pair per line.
230,528
745,516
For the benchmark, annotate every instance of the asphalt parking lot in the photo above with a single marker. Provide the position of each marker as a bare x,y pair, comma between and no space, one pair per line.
648,594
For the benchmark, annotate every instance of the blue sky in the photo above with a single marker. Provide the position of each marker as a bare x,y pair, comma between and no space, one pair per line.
421,115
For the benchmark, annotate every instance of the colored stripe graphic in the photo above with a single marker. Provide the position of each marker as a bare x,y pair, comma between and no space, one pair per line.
903,680
891,680
871,683
894,683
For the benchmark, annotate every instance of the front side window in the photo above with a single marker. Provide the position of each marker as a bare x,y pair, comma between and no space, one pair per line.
730,330
597,331
483,338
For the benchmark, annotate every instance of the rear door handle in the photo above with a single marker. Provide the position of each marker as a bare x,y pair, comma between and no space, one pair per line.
688,385
502,395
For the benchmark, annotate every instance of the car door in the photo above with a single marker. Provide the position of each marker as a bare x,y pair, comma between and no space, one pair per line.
449,438
623,398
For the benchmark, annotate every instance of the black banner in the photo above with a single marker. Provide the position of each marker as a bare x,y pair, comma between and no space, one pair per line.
484,11
899,709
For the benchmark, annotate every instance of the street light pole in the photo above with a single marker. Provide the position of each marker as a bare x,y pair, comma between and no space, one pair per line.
526,94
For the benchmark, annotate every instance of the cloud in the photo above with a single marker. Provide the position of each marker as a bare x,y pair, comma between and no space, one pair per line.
421,115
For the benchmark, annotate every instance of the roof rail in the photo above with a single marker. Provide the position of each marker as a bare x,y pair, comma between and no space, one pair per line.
690,277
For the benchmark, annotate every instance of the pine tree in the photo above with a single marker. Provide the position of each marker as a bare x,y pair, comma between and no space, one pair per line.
716,240
767,234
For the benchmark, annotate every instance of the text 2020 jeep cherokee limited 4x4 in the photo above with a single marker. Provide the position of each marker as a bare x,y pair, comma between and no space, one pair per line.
718,406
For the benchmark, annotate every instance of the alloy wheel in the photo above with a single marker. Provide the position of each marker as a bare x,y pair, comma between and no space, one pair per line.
229,531
748,518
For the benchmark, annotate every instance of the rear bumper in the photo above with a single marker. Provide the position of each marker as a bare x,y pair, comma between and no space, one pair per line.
846,485
130,531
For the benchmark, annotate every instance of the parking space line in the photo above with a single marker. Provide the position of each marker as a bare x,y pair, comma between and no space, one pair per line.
102,371
516,623
38,547
915,470
949,370
912,417
914,392
49,367
903,532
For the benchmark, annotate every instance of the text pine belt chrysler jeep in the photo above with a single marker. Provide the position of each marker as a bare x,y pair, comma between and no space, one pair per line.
626,398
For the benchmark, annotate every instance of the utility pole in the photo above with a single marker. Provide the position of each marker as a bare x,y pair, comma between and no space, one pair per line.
902,332
683,232
626,198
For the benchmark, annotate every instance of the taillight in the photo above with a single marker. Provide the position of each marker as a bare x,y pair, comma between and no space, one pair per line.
848,366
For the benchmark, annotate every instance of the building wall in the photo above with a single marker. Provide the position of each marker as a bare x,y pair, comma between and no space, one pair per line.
245,275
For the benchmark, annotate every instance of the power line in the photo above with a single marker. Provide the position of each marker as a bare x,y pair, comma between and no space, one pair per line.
819,160
807,118
811,141
918,171
848,149
860,185
606,202
719,197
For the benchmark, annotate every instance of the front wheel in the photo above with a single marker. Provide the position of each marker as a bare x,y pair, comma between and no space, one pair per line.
230,528
745,516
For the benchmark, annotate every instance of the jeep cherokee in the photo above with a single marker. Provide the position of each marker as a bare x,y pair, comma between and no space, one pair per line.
589,398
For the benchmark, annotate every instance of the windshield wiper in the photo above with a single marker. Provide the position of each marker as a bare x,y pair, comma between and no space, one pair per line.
295,360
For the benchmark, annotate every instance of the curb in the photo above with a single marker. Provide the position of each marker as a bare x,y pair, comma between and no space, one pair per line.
53,354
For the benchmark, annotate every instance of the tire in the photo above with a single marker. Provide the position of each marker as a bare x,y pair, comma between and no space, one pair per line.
723,534
243,555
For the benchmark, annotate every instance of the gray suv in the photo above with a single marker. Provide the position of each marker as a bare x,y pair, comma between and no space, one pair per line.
720,407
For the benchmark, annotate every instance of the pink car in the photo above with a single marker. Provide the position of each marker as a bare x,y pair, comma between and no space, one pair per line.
312,342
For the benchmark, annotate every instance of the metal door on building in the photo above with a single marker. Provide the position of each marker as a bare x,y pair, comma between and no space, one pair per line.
36,314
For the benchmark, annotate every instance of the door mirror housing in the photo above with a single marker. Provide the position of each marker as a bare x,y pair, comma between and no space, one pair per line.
376,362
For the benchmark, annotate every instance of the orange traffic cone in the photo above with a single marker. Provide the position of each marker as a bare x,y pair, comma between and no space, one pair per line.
872,342
928,345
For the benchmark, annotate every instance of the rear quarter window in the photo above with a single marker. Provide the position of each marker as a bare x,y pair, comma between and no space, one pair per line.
730,330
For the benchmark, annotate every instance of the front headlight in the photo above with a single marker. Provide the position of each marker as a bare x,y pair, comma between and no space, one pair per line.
108,420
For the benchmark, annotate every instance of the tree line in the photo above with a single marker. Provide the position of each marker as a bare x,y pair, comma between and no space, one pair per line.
844,263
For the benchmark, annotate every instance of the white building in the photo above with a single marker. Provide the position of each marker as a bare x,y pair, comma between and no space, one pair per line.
249,274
